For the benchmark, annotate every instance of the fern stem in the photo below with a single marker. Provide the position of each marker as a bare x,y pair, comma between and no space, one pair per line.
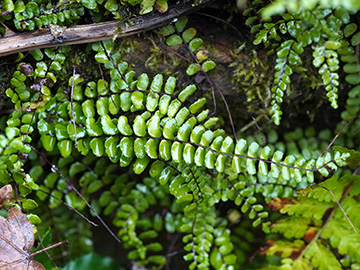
347,189
338,134
71,186
47,248
339,205
253,122
68,206
47,253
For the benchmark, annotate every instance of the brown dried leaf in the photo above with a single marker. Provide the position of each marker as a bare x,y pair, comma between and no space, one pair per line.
310,234
277,203
26,69
5,193
16,240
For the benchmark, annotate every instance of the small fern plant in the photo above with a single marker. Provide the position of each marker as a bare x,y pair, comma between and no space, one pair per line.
324,30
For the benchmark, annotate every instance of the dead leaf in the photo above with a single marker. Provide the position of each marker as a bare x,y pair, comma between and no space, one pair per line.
277,203
310,234
5,193
264,249
16,240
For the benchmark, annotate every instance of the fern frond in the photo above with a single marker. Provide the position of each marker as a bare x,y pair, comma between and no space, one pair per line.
31,15
315,27
328,68
167,129
321,257
334,184
281,6
292,227
339,230
308,208
285,249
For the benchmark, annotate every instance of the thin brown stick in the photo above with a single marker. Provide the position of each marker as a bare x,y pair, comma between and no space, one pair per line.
50,247
337,135
68,206
227,110
47,253
328,218
221,20
45,38
71,186
357,53
339,205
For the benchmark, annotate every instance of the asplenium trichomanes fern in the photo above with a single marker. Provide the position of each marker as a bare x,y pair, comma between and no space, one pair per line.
324,30
101,128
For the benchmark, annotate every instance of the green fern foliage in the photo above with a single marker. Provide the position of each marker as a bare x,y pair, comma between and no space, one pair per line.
281,6
86,133
31,15
317,217
146,124
165,130
179,35
318,28
286,55
328,70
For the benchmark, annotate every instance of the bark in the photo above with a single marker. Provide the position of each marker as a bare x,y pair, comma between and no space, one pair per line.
55,35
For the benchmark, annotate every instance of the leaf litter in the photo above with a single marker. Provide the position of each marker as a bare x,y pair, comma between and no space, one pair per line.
16,241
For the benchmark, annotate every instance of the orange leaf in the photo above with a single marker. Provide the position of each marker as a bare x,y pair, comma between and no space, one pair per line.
310,234
277,203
